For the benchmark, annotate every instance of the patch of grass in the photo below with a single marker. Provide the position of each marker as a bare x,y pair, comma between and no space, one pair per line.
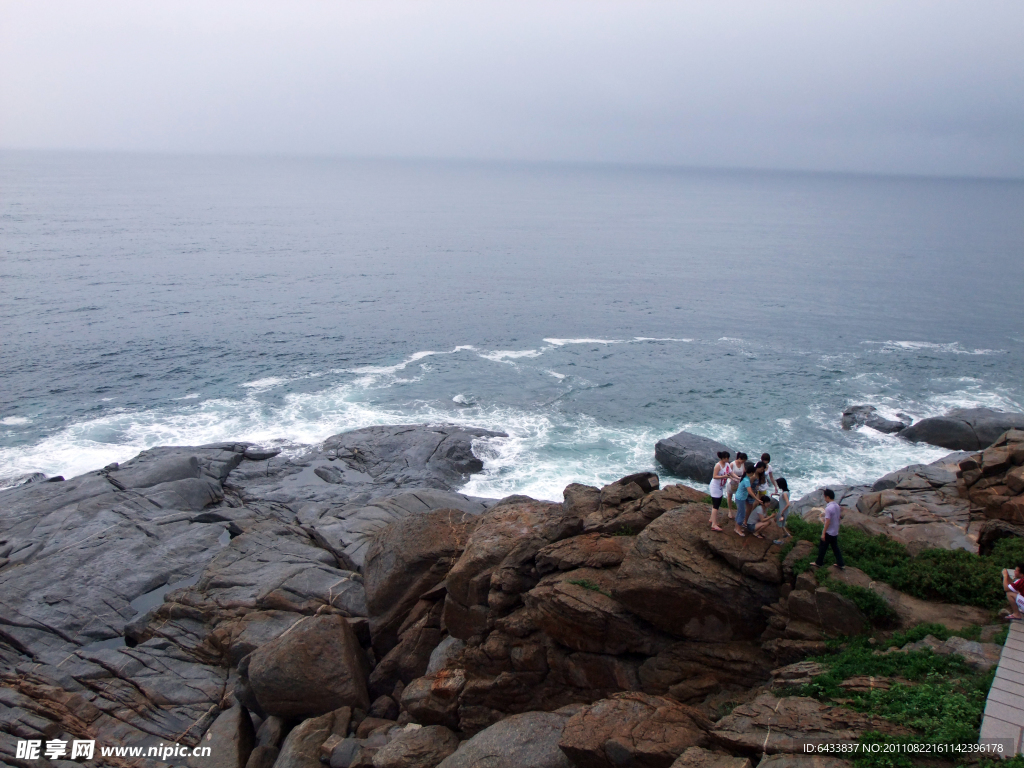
586,584
871,604
625,530
954,576
706,499
942,702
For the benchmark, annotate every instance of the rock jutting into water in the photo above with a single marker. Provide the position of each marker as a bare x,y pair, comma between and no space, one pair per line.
348,605
968,429
868,416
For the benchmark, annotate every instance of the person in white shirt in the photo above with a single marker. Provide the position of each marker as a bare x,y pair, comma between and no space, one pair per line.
719,478
737,470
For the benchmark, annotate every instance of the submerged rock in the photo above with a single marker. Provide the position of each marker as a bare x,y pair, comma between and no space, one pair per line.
867,416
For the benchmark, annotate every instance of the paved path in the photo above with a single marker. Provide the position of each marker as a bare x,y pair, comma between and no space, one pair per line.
1004,711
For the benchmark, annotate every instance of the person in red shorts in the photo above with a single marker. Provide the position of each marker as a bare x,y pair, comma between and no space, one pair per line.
1013,585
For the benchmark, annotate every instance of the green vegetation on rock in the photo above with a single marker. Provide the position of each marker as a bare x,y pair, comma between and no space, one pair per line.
953,576
938,697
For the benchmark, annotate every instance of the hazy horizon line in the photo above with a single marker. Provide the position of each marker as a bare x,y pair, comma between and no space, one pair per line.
500,161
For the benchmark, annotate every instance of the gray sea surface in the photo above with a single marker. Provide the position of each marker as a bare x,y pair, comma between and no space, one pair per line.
587,311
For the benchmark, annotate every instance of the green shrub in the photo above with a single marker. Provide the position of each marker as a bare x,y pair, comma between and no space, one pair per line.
943,702
954,576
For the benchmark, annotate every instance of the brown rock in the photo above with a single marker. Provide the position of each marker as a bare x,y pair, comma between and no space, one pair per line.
839,615
996,460
672,580
263,757
867,683
789,651
698,757
528,740
1015,479
994,530
593,672
580,500
417,748
806,582
870,504
516,524
911,610
737,663
371,724
989,499
407,559
231,739
799,673
625,511
799,551
301,748
409,658
591,550
768,571
434,699
314,668
573,610
632,729
695,689
911,514
1013,510
803,630
769,724
464,622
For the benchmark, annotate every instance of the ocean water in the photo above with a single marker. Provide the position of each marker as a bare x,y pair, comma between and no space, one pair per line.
586,311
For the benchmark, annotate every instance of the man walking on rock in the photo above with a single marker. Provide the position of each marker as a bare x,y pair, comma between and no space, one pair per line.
830,533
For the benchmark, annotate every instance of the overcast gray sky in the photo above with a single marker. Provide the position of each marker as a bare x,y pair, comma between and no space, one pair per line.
930,87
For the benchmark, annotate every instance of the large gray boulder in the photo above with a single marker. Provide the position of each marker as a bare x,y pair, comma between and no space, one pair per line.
690,456
428,456
530,739
967,429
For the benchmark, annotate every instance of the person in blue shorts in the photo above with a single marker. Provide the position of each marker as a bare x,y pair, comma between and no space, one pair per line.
745,497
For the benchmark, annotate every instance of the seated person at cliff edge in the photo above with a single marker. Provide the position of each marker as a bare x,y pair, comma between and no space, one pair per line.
1013,585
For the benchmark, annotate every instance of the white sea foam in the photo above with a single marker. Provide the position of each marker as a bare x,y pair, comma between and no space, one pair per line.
15,421
385,369
267,383
557,375
565,342
504,356
649,338
190,396
953,347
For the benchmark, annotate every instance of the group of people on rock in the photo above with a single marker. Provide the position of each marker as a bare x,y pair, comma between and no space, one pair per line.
761,498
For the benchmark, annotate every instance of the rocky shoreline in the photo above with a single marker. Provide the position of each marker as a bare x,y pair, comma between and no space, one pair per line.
349,606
